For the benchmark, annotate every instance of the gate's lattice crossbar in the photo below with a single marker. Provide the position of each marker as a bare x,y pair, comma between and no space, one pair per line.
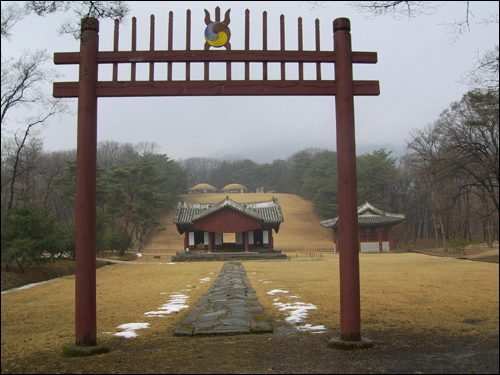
208,87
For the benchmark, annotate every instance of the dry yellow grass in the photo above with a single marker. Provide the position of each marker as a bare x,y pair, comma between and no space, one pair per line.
411,292
300,230
43,317
406,292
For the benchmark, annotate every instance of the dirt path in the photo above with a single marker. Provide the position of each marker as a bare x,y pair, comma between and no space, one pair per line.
484,254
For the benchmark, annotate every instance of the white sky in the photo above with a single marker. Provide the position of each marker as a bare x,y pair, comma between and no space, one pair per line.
418,69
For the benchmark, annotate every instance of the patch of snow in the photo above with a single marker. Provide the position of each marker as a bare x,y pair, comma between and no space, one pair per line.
127,334
274,291
157,313
130,329
177,303
133,326
297,312
314,329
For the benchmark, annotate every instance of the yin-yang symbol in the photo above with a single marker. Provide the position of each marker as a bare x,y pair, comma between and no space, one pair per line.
217,34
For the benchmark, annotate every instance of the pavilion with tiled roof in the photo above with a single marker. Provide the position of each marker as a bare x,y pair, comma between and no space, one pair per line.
204,224
374,228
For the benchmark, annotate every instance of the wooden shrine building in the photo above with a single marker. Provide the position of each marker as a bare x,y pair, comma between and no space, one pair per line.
204,224
374,229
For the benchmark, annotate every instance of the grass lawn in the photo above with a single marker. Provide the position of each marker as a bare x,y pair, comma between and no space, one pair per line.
406,293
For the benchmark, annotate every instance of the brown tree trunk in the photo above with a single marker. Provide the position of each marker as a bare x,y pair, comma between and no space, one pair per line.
122,250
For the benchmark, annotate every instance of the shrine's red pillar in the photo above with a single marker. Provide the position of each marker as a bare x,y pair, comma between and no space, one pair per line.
350,315
85,213
211,242
271,239
245,241
334,241
380,239
389,238
186,240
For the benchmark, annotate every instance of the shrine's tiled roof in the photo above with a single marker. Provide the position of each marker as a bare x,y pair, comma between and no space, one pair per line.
230,204
269,212
369,217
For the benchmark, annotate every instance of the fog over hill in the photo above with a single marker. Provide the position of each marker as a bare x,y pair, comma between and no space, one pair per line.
266,153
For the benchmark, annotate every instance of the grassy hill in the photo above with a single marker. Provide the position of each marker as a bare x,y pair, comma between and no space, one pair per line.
300,230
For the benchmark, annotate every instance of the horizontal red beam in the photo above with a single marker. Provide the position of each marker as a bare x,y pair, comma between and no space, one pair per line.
214,56
215,88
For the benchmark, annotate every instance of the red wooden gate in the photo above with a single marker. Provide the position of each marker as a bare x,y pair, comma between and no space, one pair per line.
88,89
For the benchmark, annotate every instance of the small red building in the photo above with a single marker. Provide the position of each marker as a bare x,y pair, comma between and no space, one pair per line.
374,229
204,224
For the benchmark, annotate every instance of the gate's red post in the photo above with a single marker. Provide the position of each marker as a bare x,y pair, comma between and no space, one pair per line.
350,317
85,244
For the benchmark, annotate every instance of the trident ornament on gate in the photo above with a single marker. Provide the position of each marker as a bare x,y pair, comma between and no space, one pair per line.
217,34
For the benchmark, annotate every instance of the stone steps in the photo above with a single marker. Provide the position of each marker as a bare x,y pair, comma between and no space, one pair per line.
193,256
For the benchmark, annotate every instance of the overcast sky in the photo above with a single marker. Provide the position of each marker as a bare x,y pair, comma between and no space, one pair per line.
418,68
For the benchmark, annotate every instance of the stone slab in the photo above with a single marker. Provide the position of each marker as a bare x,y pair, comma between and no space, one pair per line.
229,307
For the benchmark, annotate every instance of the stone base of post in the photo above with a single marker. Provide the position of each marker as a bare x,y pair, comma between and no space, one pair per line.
350,345
84,351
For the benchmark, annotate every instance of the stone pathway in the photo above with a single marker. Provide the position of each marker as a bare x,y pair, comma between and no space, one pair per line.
229,307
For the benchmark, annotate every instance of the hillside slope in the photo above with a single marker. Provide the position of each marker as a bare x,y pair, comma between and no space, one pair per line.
300,230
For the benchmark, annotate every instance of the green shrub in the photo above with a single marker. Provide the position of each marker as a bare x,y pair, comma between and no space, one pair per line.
457,243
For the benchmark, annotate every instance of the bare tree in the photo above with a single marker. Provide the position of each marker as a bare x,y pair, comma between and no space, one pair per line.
453,164
22,88
471,129
424,151
397,9
23,80
14,12
200,170
108,153
48,170
147,148
21,138
484,74
413,9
